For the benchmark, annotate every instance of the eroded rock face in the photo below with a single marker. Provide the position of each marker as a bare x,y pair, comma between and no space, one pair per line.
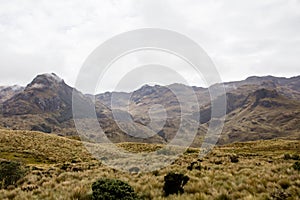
49,104
265,93
262,94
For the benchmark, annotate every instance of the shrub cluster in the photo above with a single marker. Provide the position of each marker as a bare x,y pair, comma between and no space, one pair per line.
291,157
10,173
111,189
296,165
174,183
190,151
194,165
234,158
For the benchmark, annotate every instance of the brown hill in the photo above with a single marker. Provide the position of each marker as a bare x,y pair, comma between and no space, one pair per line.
46,105
257,108
275,99
263,114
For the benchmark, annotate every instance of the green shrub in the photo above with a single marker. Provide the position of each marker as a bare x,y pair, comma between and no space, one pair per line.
284,183
190,151
286,156
223,197
10,173
155,173
234,158
111,189
174,183
296,166
194,165
295,157
291,157
218,162
65,166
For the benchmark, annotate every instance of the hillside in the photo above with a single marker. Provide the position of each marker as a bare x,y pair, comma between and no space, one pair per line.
46,105
253,113
60,168
263,114
257,108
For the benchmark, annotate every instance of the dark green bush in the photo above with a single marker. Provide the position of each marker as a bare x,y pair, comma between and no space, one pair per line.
284,183
218,162
234,158
190,151
155,173
65,166
194,165
296,166
111,189
174,183
291,157
223,197
295,157
10,173
286,156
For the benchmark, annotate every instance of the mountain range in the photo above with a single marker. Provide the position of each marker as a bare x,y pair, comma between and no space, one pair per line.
257,108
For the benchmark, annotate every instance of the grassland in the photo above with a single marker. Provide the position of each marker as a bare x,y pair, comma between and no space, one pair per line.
61,168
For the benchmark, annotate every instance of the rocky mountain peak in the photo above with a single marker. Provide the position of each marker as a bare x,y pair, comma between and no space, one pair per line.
45,81
146,90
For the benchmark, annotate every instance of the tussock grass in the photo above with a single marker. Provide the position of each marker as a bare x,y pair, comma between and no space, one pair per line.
61,168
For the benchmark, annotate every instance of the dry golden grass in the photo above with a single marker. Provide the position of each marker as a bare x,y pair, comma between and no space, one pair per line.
62,168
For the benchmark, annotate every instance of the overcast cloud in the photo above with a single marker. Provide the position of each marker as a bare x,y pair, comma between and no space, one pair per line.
243,38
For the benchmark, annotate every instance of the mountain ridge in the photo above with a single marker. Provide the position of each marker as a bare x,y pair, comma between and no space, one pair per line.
45,105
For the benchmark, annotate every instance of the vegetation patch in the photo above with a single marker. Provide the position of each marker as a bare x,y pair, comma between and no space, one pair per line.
111,189
10,173
174,183
75,170
296,165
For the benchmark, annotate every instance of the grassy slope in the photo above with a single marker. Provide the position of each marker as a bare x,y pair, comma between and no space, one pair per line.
248,123
61,168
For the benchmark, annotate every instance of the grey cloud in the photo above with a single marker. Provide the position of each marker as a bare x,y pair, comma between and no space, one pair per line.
242,37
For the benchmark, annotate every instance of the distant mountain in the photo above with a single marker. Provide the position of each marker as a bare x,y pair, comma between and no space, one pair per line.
289,87
261,114
257,108
251,97
46,105
7,92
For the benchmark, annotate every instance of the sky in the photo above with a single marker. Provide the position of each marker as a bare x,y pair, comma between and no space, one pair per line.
243,38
